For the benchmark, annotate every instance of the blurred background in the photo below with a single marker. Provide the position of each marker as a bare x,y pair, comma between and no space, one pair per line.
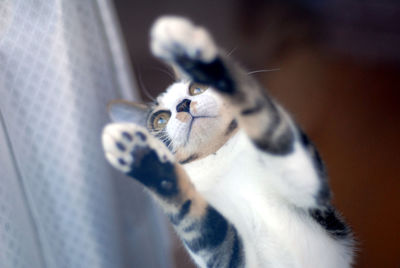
333,64
338,74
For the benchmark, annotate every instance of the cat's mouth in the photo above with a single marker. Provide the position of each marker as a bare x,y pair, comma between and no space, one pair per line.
191,123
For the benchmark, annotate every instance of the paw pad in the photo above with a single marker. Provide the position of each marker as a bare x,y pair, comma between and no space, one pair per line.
123,143
127,136
120,146
141,136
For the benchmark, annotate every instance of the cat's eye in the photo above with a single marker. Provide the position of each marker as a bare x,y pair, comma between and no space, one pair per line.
196,89
160,119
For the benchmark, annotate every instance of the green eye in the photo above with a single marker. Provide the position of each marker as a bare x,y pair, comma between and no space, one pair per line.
196,89
160,120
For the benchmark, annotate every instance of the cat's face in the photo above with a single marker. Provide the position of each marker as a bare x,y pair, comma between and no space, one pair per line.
192,120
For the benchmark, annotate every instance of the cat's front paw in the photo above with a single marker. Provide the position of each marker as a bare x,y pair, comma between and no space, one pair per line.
176,37
127,145
132,150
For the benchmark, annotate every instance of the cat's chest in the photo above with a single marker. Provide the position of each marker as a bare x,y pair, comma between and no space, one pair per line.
237,168
231,164
235,178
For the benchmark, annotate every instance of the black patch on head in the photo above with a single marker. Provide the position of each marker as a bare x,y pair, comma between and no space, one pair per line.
213,73
189,159
212,232
149,170
331,222
232,126
184,210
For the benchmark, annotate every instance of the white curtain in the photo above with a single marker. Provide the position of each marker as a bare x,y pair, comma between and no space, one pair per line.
61,204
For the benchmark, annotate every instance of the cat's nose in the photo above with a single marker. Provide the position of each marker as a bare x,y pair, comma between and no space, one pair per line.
183,106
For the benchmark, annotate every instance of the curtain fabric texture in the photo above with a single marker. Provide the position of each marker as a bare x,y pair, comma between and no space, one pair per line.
61,204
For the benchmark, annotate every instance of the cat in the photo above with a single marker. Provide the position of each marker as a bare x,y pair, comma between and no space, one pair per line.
241,183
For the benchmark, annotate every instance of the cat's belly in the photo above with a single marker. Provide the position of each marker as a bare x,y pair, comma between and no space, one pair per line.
274,233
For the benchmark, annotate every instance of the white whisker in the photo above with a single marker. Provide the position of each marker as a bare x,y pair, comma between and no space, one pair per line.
264,71
144,89
170,75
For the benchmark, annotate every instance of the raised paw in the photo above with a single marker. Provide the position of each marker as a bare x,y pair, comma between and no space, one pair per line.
126,146
175,37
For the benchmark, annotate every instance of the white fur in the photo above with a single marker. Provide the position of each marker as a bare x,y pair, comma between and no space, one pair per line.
171,32
243,184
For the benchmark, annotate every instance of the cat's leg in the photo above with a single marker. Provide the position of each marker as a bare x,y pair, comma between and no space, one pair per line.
192,50
209,237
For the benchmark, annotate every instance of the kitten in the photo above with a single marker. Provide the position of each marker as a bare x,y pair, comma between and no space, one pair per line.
240,182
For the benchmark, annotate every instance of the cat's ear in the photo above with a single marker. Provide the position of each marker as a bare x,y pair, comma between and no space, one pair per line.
128,112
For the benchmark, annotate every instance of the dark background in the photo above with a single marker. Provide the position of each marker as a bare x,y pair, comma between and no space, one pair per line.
338,75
